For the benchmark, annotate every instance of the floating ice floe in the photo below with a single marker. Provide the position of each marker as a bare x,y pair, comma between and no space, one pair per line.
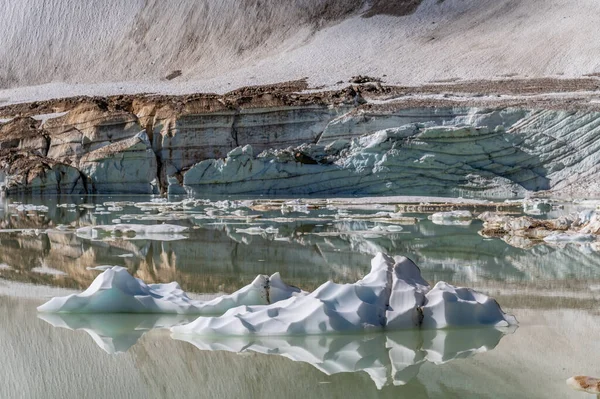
393,296
29,208
48,270
569,237
117,291
162,232
452,218
585,384
257,231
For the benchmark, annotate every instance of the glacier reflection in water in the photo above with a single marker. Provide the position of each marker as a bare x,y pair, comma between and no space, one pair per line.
392,358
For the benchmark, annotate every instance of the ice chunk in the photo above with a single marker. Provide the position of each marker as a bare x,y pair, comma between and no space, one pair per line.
117,291
452,218
48,270
162,232
585,384
569,237
330,308
449,306
392,296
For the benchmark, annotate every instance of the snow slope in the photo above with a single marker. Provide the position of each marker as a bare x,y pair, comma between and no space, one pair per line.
74,47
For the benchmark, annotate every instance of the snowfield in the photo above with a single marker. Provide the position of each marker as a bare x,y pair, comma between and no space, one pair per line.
113,47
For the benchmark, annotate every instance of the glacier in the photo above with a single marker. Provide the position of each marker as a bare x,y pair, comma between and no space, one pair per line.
272,144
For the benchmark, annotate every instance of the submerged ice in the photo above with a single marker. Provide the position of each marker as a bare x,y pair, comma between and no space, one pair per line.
393,296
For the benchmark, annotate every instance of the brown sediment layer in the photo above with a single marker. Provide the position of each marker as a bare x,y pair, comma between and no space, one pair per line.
295,93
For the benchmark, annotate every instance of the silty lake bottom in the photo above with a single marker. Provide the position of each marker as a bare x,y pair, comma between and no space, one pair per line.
553,291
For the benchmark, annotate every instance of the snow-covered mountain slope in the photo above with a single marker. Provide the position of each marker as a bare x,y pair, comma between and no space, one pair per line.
88,47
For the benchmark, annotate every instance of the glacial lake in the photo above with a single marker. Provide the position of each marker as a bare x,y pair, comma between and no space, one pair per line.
554,291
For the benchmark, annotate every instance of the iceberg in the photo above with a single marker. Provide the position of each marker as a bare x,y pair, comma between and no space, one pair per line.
392,296
159,232
585,384
459,218
117,291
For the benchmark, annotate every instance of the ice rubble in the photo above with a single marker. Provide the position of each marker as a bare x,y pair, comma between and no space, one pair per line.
117,291
574,227
392,296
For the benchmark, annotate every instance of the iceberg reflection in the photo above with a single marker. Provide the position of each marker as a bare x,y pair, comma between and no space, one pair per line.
114,333
392,358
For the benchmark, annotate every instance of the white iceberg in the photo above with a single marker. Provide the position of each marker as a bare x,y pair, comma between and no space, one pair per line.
117,291
393,296
452,218
162,232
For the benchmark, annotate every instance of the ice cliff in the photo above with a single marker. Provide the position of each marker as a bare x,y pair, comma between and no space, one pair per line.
392,296
272,144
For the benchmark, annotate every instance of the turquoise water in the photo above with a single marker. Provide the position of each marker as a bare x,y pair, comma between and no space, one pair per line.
553,291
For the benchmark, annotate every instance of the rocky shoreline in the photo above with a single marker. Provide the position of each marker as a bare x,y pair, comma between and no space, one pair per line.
508,139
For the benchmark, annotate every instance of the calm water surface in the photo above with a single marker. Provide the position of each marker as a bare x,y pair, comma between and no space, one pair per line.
553,290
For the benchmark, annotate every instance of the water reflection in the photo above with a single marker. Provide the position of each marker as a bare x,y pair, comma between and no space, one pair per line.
114,333
226,248
392,358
